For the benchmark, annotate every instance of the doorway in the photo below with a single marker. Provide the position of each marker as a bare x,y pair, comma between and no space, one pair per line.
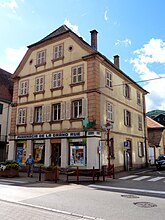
56,154
128,156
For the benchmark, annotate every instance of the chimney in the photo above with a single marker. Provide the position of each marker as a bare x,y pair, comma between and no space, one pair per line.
116,60
94,39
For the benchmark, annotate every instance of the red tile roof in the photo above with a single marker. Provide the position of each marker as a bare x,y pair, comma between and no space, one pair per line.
153,124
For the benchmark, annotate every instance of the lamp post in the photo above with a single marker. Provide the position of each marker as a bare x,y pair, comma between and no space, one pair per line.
108,127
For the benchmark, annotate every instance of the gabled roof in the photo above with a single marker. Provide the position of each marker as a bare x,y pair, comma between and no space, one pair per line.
153,124
61,30
6,86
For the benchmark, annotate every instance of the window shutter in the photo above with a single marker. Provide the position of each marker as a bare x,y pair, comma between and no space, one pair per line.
48,113
63,105
31,111
85,107
125,112
68,110
43,113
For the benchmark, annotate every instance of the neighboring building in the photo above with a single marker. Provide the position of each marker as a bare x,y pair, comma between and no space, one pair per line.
156,139
157,115
63,83
6,90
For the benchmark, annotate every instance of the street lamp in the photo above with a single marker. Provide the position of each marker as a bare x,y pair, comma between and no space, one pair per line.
108,127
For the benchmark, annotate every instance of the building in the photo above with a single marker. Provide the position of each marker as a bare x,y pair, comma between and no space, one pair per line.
65,94
157,115
6,90
156,139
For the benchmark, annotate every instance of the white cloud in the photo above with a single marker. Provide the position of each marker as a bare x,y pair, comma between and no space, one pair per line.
13,58
74,28
126,42
10,4
152,53
105,15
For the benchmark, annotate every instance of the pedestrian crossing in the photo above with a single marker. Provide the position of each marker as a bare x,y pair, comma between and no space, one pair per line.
11,182
141,178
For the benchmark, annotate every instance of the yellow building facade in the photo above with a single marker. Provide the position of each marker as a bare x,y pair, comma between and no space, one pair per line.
65,95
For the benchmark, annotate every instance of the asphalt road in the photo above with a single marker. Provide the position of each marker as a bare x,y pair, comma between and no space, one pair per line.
86,201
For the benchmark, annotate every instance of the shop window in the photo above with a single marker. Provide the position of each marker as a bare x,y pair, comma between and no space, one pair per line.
77,155
39,153
21,152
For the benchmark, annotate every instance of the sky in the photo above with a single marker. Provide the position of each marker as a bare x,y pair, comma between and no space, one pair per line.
132,29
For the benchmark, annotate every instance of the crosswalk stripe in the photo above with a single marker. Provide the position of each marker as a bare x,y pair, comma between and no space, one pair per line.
2,183
156,179
127,177
141,178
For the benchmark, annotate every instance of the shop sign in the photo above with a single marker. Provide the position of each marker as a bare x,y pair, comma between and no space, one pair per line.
49,135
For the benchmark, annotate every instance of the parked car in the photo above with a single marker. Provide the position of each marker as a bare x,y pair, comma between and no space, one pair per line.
160,162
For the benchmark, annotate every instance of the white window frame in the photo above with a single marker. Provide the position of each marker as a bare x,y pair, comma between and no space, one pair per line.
77,74
56,112
24,87
41,57
77,108
58,51
127,91
22,116
57,80
108,79
127,118
139,122
38,114
109,111
39,84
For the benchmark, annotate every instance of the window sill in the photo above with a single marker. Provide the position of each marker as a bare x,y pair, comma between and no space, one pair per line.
40,92
42,64
57,88
57,59
37,123
77,84
21,125
76,119
109,87
25,95
56,122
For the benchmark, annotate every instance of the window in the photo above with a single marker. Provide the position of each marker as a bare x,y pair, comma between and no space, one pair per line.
38,114
56,112
140,149
109,79
22,116
127,118
24,88
41,57
58,51
138,98
77,74
1,108
57,80
109,111
127,91
77,109
77,155
139,122
39,86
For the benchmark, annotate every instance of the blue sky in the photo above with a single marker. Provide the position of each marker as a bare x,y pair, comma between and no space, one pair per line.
133,29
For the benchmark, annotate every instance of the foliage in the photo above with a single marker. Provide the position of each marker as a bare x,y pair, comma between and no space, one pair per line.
8,164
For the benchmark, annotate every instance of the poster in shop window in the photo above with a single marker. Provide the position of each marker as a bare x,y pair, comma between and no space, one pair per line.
77,155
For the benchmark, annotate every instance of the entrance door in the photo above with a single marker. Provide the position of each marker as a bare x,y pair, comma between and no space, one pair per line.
128,156
56,154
